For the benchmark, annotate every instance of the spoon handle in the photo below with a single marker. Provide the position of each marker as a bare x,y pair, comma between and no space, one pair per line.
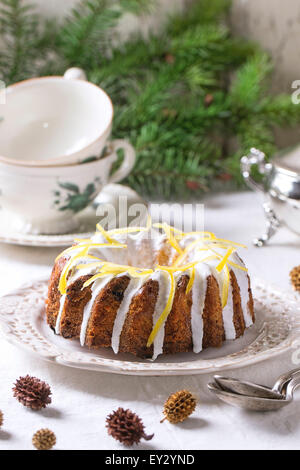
286,378
291,386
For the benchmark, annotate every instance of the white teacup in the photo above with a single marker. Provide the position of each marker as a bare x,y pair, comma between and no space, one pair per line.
52,121
45,199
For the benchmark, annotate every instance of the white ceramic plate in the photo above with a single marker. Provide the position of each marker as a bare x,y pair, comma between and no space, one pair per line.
22,321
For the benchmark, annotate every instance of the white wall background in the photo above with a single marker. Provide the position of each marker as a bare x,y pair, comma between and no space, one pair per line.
275,24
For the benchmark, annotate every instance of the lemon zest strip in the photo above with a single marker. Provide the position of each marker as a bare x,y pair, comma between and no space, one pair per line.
92,279
165,312
225,287
191,280
149,222
235,265
174,269
106,236
221,265
172,240
184,234
62,286
173,229
205,235
229,242
185,252
127,230
106,271
89,245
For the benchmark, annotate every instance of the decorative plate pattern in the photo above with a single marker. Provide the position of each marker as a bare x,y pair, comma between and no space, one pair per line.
23,323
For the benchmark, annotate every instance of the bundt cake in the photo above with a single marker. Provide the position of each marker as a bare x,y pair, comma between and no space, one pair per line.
150,291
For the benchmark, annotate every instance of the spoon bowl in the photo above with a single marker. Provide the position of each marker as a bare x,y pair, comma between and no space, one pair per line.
254,403
246,388
248,402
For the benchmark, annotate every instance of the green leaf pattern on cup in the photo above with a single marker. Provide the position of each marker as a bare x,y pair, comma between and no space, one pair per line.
71,198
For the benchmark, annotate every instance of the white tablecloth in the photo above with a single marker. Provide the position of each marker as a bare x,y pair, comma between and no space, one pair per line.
82,399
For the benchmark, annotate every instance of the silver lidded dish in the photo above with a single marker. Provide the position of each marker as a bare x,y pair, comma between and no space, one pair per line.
281,189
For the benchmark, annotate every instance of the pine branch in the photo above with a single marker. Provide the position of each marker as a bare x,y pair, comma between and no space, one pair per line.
280,111
199,12
173,93
251,82
86,35
22,42
171,161
175,173
129,61
197,60
83,37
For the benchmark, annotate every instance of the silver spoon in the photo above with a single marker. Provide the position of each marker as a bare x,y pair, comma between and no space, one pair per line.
252,389
255,403
240,387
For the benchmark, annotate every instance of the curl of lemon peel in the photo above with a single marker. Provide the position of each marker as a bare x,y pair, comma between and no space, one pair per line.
106,235
165,312
62,286
170,237
191,280
223,262
116,271
225,287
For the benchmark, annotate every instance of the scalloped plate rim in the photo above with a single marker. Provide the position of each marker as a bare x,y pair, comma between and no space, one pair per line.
116,366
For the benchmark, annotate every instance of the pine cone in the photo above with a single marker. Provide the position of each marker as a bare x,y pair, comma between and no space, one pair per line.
179,406
32,392
1,418
295,278
126,427
44,439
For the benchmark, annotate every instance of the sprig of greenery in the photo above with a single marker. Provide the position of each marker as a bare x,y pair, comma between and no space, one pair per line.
22,42
86,35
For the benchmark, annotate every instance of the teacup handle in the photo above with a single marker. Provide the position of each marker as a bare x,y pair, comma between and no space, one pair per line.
128,162
75,73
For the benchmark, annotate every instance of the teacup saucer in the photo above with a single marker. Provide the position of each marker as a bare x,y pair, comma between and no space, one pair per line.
86,221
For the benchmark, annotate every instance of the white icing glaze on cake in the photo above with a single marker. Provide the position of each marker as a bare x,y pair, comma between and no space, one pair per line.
198,298
243,283
228,313
130,291
162,298
61,309
96,290
141,252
